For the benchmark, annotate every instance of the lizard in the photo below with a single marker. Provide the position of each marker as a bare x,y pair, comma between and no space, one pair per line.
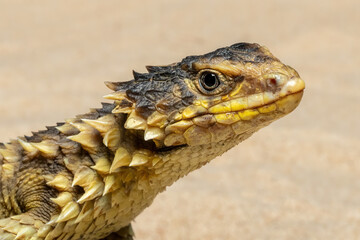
90,176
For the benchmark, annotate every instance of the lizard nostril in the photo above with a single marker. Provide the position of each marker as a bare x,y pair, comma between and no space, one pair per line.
272,82
275,80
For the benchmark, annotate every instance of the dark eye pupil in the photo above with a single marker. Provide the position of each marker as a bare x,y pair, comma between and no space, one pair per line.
209,81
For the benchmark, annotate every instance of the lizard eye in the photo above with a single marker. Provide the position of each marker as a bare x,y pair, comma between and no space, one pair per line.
212,82
209,81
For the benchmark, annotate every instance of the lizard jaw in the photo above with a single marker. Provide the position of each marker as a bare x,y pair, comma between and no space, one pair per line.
233,118
228,125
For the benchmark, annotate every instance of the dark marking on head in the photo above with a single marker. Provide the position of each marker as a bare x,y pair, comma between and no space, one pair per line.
157,92
164,88
240,52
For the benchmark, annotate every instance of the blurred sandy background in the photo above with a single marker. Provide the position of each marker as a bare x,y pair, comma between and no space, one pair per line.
297,179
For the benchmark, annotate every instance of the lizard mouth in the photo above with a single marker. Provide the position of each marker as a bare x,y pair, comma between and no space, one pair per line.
231,118
261,116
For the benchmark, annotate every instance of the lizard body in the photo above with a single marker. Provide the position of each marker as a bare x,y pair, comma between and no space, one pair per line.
89,177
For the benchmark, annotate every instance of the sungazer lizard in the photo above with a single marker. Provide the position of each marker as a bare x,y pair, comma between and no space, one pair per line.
89,177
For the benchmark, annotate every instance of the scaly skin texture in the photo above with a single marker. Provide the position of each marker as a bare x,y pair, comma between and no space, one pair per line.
89,177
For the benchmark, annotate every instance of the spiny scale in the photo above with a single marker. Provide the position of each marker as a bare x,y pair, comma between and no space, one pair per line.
112,183
88,137
138,160
154,133
157,119
86,212
66,129
60,182
112,139
62,199
116,96
103,124
47,148
69,211
122,158
9,153
25,233
93,190
83,175
134,121
109,130
28,147
102,165
44,230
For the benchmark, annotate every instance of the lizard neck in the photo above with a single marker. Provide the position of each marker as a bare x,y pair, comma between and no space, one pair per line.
180,162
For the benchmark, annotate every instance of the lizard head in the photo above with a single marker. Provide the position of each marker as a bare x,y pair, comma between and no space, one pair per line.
208,98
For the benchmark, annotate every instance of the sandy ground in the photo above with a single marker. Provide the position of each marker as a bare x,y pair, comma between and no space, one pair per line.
296,179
